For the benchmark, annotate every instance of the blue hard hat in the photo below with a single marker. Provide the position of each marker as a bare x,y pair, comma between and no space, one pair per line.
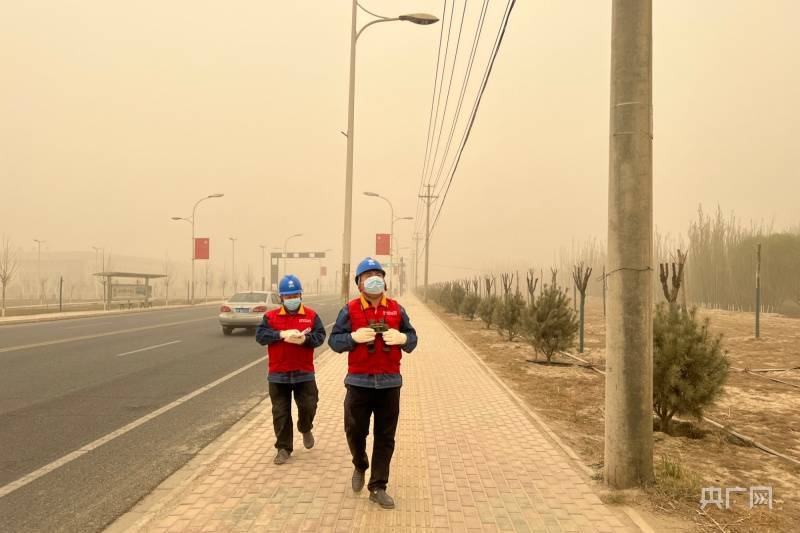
368,264
289,285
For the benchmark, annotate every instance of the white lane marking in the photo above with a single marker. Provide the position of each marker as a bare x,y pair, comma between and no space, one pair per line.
86,325
98,335
148,348
36,474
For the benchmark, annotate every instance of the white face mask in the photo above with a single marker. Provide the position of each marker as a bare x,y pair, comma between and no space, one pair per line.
292,304
374,285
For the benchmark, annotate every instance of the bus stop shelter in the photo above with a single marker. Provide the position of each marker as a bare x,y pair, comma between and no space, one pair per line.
129,292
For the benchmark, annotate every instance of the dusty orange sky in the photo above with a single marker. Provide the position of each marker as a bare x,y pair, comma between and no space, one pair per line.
119,115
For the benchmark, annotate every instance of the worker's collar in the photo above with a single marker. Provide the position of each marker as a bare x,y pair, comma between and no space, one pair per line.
300,311
366,303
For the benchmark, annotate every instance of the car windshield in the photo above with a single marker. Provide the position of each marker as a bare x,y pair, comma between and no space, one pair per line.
248,297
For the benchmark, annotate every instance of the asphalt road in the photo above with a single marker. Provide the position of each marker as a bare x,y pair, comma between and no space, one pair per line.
67,386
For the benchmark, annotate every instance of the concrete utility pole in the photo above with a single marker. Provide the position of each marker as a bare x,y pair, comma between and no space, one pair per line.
629,333
417,238
428,201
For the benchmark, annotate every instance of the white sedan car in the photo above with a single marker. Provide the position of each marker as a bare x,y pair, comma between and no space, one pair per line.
245,310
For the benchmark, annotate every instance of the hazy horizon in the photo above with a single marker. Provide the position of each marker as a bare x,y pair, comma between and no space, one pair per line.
118,117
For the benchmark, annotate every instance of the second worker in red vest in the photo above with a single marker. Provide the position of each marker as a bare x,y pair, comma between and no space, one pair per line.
291,333
373,329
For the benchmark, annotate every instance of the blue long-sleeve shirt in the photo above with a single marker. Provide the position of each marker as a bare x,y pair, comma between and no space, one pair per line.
341,340
265,336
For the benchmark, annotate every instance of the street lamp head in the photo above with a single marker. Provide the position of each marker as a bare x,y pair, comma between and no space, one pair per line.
217,195
367,193
423,19
177,218
405,218
297,235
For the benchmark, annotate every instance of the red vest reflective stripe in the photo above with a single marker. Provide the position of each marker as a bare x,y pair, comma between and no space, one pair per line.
284,356
360,361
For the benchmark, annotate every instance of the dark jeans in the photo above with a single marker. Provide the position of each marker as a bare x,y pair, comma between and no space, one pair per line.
359,404
306,397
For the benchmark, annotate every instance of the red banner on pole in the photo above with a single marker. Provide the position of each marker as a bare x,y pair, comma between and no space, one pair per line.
201,248
382,244
323,271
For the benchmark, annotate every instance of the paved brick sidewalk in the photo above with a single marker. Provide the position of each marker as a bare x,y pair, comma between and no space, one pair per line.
468,457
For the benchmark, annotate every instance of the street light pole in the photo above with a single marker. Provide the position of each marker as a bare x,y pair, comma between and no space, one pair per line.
96,264
39,268
233,262
194,210
102,269
392,219
396,249
422,19
263,253
191,221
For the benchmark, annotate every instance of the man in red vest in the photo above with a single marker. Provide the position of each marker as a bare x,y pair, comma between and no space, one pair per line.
374,330
291,332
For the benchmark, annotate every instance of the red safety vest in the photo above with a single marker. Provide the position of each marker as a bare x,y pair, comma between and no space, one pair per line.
285,356
360,361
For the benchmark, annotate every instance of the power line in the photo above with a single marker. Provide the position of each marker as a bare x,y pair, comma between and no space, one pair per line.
498,42
434,116
441,81
464,84
449,87
433,99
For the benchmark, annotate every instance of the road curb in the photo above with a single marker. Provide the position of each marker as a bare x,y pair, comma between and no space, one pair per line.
630,512
11,321
146,509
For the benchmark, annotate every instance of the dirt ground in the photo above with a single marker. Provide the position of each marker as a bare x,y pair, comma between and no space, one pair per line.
697,455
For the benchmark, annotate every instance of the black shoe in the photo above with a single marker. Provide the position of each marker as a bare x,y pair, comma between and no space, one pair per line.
381,498
358,480
281,457
308,440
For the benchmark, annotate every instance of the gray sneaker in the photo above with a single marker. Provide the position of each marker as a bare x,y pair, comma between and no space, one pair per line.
358,480
281,457
308,440
381,498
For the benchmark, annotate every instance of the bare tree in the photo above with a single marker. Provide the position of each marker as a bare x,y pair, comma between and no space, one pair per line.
8,267
671,293
489,282
532,282
580,275
508,282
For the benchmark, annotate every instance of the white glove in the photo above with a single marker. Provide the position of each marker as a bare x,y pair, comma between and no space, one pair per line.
362,335
394,338
297,339
287,333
